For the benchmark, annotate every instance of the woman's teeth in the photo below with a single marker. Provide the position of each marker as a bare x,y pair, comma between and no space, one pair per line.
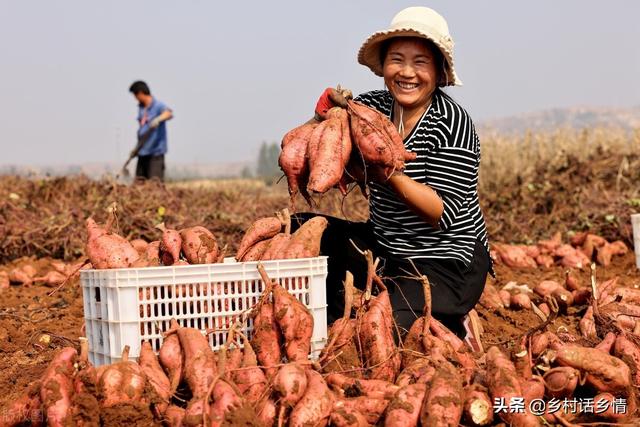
404,85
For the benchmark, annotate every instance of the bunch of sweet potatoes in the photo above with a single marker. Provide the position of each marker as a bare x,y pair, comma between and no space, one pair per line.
318,156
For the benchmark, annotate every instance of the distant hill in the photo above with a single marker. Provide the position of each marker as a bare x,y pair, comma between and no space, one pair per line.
576,118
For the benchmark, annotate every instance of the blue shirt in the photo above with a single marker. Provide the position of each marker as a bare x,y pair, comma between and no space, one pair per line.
156,144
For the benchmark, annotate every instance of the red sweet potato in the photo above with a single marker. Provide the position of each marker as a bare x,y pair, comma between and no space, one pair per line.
56,388
325,161
514,256
490,298
52,278
546,287
266,338
355,387
371,408
561,381
607,343
171,356
199,245
547,246
603,406
295,322
156,378
4,280
26,410
121,382
170,245
629,352
139,245
174,416
314,408
404,408
280,241
505,297
420,371
587,324
150,257
290,384
478,408
86,377
262,229
342,115
341,354
293,157
266,412
225,400
250,379
199,372
108,250
347,417
604,372
305,242
256,252
502,382
443,402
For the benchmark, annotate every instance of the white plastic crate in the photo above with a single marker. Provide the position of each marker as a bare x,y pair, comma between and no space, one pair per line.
130,305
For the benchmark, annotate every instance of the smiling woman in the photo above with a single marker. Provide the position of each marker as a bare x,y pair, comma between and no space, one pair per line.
429,215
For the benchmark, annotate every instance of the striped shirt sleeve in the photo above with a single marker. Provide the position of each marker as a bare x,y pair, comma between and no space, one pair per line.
452,170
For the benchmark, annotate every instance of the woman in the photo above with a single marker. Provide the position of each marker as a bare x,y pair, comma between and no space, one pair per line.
429,213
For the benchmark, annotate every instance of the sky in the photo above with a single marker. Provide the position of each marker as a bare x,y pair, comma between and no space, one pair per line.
237,74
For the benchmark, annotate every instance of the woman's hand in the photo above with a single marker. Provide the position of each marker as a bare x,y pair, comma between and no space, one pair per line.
331,98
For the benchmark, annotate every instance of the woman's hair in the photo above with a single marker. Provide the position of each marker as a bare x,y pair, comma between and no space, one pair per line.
438,57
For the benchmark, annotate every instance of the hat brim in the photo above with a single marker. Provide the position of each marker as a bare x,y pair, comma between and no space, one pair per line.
369,53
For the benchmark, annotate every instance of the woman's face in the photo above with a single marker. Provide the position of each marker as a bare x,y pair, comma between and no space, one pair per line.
410,72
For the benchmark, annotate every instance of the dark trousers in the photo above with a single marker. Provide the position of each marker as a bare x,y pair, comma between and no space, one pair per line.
150,167
455,288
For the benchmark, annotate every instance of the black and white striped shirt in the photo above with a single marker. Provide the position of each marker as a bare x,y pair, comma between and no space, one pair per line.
448,151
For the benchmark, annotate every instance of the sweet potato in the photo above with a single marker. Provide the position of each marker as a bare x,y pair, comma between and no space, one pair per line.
546,287
544,260
561,381
225,400
170,245
250,379
376,137
629,352
86,377
443,402
56,388
262,229
520,301
52,278
607,343
199,372
341,353
25,410
121,382
293,157
199,245
266,338
156,378
505,298
280,241
587,324
139,245
355,387
150,257
412,343
490,298
108,250
604,372
314,408
305,242
290,384
347,417
514,256
266,412
174,416
521,359
404,408
420,371
502,382
547,246
371,408
325,161
532,388
342,115
478,408
256,252
293,318
603,407
171,356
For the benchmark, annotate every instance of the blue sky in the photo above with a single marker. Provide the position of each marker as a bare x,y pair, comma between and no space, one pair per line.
239,73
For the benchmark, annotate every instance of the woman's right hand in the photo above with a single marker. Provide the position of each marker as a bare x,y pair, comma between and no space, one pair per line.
331,98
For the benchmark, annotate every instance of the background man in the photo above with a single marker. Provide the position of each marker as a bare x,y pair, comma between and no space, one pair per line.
152,134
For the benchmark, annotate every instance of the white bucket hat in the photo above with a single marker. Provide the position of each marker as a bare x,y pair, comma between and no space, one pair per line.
412,22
